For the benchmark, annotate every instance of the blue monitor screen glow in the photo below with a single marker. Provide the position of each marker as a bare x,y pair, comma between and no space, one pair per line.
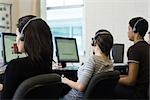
66,49
8,39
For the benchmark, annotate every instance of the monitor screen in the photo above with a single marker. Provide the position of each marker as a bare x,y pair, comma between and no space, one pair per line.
118,53
66,49
8,39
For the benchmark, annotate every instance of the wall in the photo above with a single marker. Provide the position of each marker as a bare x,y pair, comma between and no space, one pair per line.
21,8
114,16
15,10
27,7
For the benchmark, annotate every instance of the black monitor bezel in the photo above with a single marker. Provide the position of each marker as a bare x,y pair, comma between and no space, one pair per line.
3,45
121,60
57,53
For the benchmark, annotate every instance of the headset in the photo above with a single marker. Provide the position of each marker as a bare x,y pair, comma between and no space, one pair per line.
21,36
135,25
101,32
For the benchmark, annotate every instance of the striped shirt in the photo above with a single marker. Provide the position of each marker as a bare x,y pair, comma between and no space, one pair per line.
91,67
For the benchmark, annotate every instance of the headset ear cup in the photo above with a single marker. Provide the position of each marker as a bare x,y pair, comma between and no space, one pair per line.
135,25
134,29
92,44
21,37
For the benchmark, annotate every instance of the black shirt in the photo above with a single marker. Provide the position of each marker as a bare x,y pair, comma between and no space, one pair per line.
139,53
20,69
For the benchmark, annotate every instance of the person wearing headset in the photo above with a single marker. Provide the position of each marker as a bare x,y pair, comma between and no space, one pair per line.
97,63
136,83
35,39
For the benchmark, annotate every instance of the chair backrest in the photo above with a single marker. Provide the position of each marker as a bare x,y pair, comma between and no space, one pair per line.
118,53
45,86
102,85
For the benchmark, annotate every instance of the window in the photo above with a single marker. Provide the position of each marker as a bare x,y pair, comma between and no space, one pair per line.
65,19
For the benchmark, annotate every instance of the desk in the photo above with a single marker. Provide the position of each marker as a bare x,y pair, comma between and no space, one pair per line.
121,67
71,72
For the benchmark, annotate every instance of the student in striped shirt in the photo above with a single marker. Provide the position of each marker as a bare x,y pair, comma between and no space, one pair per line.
97,63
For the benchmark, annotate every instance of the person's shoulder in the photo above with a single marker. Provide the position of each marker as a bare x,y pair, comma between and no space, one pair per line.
134,46
96,59
18,61
139,44
92,57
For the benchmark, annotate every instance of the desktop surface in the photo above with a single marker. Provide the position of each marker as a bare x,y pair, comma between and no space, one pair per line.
121,67
65,68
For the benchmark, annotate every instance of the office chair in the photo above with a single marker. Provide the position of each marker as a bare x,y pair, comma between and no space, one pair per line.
102,85
118,53
45,86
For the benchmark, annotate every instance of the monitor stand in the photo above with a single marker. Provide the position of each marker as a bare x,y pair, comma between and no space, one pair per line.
63,64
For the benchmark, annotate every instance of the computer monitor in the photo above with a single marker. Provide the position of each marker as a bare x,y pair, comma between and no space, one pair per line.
8,39
66,50
118,53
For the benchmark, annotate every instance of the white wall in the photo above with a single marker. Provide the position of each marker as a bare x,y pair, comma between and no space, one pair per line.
114,16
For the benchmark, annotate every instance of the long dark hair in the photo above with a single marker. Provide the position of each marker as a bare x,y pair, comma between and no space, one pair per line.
38,42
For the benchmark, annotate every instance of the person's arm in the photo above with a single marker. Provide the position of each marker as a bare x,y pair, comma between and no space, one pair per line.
73,84
84,75
1,87
130,79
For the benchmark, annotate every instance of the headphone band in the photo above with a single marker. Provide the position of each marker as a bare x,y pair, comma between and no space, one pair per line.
100,33
134,27
97,34
28,22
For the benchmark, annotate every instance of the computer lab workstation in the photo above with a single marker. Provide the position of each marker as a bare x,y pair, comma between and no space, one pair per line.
66,52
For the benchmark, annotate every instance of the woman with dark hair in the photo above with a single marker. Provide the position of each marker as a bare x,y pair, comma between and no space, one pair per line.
136,83
97,63
35,39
